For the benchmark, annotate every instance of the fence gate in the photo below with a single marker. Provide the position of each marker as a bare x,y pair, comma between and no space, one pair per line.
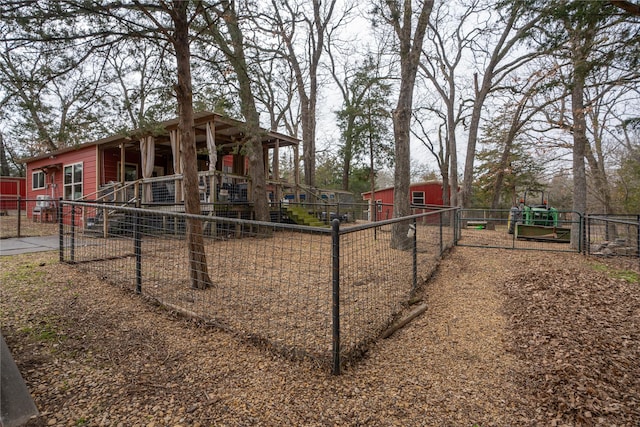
501,228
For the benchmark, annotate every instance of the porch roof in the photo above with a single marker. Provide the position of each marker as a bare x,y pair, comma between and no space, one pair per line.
228,133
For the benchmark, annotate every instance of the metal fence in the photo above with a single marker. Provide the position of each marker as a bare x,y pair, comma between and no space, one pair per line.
27,217
496,228
323,293
613,235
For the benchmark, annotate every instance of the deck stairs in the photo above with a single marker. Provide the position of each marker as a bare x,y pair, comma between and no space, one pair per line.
301,217
118,222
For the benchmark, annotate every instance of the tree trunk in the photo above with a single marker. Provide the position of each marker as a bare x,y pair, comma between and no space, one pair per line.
445,188
253,145
233,49
579,150
410,50
581,38
599,175
347,156
453,148
317,26
502,47
401,176
197,256
478,103
5,170
308,141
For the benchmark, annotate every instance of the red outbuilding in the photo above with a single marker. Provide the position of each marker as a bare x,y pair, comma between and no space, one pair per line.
421,193
11,187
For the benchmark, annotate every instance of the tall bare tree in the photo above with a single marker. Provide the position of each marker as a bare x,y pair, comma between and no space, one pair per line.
513,29
223,25
304,60
586,35
409,21
141,88
440,68
176,32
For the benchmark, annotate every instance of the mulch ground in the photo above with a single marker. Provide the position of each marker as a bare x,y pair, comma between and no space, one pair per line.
509,338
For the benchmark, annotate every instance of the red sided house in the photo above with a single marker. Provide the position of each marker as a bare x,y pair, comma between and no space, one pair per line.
109,169
421,193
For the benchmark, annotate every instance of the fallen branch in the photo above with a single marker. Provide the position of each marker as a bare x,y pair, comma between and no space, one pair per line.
408,318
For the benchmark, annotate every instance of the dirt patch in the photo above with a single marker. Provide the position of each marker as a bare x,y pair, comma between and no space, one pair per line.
275,290
509,338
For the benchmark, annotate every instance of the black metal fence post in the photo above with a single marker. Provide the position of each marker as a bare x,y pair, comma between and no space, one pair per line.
638,238
19,213
515,230
137,244
375,218
414,229
457,232
60,230
581,240
335,255
440,216
72,256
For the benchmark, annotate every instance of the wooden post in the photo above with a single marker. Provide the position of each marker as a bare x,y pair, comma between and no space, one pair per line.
105,222
118,196
122,168
265,158
276,172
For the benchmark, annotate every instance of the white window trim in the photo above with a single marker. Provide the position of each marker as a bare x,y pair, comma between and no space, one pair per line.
413,197
33,181
379,205
73,183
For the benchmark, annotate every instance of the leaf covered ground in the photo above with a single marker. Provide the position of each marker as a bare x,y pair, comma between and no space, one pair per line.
509,338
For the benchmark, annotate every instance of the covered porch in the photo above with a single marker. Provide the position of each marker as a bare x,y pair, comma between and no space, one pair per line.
153,160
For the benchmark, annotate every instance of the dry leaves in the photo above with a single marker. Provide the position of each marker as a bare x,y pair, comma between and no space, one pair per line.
509,338
577,331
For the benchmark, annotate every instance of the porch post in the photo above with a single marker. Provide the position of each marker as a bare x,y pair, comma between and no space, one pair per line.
276,171
147,154
174,136
265,159
122,169
119,196
213,159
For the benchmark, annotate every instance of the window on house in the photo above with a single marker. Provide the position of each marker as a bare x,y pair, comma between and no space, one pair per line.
37,180
417,197
130,171
73,181
379,204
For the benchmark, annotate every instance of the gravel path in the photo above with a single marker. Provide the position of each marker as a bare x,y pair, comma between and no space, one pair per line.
95,355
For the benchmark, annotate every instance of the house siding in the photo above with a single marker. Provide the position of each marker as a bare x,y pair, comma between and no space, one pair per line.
54,186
